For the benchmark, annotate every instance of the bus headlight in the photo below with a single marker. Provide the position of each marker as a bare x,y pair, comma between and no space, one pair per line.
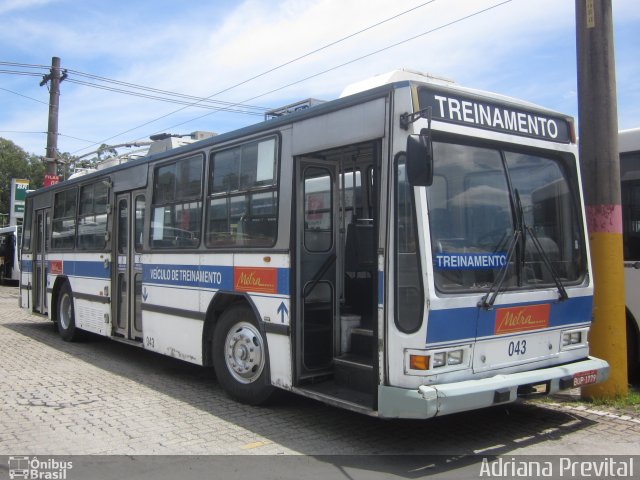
574,338
437,361
455,357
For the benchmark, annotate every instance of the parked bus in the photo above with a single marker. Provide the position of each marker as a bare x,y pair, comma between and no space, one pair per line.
411,249
9,254
629,147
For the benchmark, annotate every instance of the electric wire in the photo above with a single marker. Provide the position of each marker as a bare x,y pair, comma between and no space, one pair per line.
229,106
269,71
259,110
240,109
25,96
24,65
22,132
154,90
479,12
19,72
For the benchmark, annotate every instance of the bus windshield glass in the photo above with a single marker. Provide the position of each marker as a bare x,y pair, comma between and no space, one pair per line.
486,202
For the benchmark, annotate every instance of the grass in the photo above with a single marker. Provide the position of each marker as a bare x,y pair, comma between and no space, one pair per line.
629,404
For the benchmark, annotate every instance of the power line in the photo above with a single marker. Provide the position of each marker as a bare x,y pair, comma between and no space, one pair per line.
322,48
240,109
24,65
258,110
25,96
75,138
156,90
22,132
479,12
19,72
267,72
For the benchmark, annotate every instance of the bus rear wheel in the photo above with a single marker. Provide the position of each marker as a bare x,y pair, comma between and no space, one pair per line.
65,319
240,357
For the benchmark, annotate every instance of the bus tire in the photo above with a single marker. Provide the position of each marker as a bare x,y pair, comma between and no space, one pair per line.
240,356
65,315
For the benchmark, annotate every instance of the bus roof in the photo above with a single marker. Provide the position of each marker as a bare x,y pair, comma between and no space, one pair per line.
355,98
629,140
9,229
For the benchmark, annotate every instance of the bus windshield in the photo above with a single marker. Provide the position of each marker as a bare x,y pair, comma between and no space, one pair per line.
492,210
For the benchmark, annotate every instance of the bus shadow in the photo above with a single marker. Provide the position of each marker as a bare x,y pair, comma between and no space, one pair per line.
411,448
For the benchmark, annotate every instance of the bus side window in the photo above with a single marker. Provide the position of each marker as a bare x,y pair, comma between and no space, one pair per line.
177,204
631,219
243,196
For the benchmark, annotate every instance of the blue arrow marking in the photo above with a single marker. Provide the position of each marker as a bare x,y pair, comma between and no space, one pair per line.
145,294
282,310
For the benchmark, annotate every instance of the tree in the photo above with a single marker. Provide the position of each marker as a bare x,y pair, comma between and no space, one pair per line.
16,163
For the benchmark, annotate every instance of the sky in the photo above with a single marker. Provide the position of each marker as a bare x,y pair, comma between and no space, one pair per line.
265,54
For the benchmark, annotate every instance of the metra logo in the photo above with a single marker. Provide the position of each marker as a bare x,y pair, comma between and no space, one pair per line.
55,267
251,279
521,319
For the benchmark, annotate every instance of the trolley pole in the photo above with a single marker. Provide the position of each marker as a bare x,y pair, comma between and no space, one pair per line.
52,131
601,168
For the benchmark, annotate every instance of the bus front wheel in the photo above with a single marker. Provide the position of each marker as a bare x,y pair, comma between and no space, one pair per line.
240,356
66,321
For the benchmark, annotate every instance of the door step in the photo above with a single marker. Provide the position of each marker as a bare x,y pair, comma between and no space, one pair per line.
362,342
354,371
334,394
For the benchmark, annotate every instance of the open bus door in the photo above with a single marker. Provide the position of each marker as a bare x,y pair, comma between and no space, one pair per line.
336,265
317,241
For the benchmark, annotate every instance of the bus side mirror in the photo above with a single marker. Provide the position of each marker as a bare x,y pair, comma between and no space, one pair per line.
419,160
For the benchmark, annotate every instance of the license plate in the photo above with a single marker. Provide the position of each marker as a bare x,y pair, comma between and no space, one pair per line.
584,378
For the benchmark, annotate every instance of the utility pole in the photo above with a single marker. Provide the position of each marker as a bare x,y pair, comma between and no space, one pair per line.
598,135
54,97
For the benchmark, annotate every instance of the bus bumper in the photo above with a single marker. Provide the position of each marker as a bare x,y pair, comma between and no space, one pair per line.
436,400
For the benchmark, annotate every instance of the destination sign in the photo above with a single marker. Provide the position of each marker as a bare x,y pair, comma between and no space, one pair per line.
501,117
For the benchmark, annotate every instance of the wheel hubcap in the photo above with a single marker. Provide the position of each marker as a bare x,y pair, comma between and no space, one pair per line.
64,315
244,352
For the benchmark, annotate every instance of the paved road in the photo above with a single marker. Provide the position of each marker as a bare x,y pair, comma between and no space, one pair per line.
101,397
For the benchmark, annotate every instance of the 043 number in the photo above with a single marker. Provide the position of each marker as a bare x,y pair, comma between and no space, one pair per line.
517,348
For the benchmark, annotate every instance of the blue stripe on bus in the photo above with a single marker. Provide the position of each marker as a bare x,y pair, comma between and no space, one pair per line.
88,269
195,276
471,322
74,268
205,276
283,281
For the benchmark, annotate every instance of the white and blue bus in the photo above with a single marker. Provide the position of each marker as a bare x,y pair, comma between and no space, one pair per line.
629,147
10,254
411,249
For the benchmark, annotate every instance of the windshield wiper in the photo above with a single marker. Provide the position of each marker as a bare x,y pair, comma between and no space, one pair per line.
545,258
547,262
521,228
490,297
